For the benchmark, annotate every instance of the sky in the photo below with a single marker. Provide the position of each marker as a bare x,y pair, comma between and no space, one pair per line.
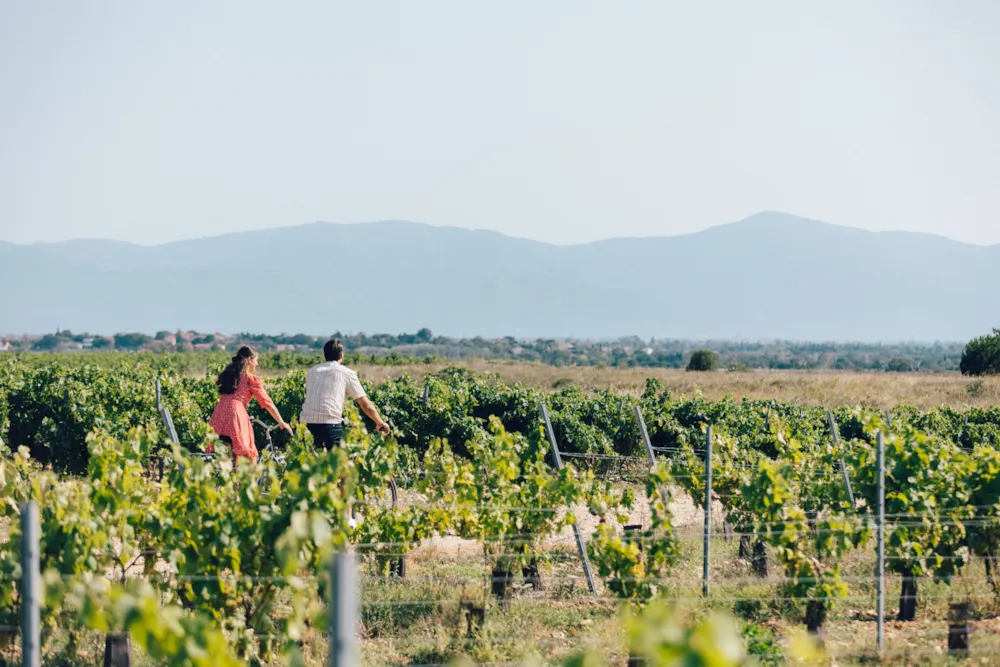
563,121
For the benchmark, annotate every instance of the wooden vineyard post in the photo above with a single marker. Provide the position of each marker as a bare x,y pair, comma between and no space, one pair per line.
117,650
576,527
958,628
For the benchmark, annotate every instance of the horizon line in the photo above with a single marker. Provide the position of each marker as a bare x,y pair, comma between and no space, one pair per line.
747,219
605,339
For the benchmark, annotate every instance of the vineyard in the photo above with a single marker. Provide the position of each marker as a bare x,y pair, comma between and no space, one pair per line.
566,526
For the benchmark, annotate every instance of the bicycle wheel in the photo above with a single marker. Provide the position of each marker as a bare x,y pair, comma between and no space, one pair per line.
386,499
393,492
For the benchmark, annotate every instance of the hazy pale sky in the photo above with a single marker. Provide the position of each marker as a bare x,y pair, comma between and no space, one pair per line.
560,120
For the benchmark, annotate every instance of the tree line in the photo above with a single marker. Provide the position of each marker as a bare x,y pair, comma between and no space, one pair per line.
980,356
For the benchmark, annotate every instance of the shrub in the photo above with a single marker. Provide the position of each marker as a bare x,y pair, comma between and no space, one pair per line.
131,341
982,355
703,360
899,366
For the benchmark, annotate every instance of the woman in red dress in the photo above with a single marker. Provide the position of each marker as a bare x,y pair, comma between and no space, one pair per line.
237,385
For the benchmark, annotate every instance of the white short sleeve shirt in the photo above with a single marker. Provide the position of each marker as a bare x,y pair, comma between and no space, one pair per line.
327,387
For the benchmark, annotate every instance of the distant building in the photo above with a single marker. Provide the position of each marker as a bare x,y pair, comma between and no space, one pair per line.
170,339
188,336
4,346
283,347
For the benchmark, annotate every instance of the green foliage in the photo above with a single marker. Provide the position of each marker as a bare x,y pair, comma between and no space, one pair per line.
982,355
984,532
94,525
899,365
424,347
131,341
168,635
236,547
808,520
634,567
229,549
213,540
51,407
928,493
659,634
506,497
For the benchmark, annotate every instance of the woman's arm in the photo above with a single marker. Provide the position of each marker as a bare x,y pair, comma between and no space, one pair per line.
258,392
273,411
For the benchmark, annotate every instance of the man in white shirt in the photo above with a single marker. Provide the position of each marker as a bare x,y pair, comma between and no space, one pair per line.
327,387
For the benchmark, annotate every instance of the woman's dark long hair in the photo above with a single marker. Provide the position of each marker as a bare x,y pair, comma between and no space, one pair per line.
231,375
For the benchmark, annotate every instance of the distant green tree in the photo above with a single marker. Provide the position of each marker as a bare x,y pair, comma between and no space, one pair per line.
48,342
162,335
703,360
899,365
982,355
101,343
131,341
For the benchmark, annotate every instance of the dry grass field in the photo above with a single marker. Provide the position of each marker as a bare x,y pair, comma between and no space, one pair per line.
826,388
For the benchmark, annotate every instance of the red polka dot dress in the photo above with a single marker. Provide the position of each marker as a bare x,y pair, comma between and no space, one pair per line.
231,419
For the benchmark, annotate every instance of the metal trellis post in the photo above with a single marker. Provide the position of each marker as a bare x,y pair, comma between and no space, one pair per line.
576,528
843,466
648,443
708,510
31,588
880,568
344,612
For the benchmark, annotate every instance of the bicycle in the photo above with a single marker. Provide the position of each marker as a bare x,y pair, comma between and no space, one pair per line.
381,502
391,486
268,452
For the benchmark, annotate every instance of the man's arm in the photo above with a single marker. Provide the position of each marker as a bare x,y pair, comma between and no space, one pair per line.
369,408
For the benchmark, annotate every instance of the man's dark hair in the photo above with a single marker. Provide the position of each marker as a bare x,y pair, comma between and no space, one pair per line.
333,350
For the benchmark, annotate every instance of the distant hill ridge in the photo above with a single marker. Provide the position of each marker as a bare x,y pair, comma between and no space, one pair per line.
772,275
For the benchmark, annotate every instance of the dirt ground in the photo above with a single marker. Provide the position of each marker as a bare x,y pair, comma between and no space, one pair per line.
687,517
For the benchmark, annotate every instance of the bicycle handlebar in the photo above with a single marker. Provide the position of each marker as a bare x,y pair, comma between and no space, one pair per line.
268,428
264,426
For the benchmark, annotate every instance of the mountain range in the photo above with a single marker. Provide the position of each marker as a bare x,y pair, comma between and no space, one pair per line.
772,275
